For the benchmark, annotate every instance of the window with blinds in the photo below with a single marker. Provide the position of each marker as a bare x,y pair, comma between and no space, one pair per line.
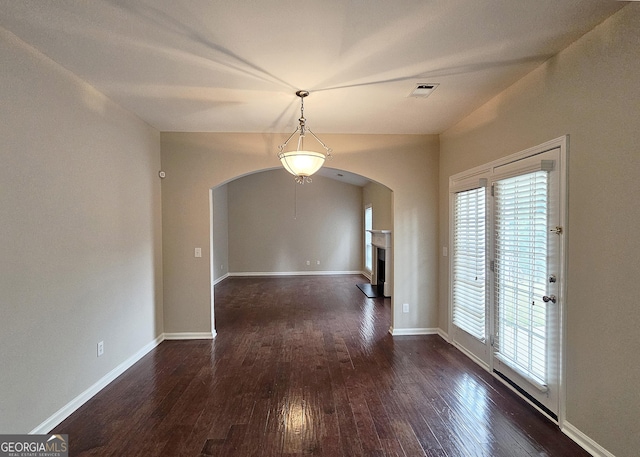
469,262
520,230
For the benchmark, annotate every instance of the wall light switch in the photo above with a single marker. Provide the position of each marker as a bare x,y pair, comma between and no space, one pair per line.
405,307
198,252
445,251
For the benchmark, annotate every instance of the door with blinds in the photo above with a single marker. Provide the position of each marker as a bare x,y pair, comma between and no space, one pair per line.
525,268
469,270
507,269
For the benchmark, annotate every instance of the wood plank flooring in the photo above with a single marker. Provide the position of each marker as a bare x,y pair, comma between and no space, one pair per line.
306,366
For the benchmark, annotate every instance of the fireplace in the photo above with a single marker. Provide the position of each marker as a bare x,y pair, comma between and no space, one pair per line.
381,274
381,264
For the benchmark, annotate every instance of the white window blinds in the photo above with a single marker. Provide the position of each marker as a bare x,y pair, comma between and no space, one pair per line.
521,212
469,265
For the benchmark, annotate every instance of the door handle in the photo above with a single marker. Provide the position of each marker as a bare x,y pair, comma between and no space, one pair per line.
549,298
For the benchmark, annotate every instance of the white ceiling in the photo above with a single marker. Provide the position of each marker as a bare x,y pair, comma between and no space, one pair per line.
234,65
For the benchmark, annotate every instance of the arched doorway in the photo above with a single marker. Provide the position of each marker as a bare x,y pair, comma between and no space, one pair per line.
264,224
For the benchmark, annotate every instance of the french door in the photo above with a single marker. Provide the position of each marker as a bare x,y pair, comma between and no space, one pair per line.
507,270
525,266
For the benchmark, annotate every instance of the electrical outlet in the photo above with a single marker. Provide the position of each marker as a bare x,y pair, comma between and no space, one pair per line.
317,262
405,307
100,348
445,251
198,252
308,262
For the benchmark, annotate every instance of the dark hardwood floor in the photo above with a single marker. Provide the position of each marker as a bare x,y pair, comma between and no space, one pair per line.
306,366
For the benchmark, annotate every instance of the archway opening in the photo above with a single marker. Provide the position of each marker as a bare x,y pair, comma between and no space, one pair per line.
264,224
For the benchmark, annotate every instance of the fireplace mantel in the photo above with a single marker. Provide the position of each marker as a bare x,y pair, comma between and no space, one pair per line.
381,238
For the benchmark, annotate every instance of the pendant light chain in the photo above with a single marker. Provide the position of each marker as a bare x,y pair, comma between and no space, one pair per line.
302,120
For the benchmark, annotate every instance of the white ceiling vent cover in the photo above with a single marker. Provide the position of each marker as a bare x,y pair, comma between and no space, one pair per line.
423,90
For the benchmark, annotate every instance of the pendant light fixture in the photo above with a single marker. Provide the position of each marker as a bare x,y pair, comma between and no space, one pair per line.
301,162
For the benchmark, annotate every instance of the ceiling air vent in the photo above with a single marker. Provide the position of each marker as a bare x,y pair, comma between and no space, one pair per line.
423,90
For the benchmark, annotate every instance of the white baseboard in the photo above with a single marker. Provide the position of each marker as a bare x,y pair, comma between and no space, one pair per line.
220,279
64,412
472,356
444,335
190,336
68,409
294,273
583,440
412,331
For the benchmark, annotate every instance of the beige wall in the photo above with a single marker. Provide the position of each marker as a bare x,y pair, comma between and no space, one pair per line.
590,91
80,236
381,200
196,162
276,225
220,231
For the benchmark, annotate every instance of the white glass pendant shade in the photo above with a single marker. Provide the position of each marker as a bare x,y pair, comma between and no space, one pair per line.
302,163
